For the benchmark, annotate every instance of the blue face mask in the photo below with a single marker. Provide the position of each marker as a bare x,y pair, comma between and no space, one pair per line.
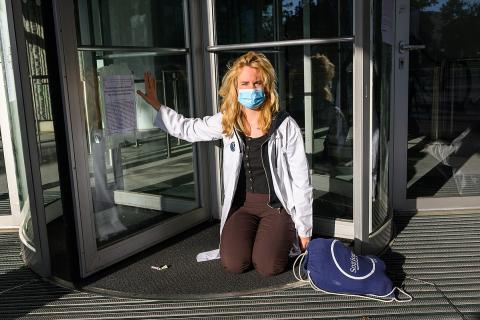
251,98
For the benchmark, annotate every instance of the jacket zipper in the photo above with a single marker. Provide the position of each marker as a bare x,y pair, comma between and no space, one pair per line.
266,175
240,149
240,144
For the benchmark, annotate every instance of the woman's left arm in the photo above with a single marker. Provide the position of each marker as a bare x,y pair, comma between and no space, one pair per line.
301,184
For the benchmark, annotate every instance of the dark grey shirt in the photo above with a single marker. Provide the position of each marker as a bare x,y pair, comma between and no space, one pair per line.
255,172
252,168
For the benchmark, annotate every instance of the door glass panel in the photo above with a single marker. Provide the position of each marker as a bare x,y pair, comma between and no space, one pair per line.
4,98
328,19
141,23
139,175
43,101
444,95
329,107
381,111
269,20
244,21
5,67
4,199
314,83
332,136
12,116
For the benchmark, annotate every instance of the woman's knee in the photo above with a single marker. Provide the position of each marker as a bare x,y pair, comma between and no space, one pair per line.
234,264
270,267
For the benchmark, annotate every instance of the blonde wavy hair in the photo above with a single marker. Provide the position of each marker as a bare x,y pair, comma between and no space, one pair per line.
325,70
231,109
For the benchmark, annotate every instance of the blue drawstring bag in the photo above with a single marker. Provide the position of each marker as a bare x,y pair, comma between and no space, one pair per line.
332,267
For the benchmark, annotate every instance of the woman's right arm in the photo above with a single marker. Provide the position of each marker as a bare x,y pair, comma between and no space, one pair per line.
189,129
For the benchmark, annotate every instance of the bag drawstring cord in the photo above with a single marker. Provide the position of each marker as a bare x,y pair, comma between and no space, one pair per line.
299,260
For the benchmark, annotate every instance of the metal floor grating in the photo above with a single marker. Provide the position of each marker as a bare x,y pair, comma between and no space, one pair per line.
4,207
441,249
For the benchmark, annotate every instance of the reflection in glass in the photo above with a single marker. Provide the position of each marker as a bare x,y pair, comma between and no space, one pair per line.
444,113
42,104
135,173
139,175
332,115
4,198
331,112
4,98
141,23
244,21
271,20
331,18
381,102
325,111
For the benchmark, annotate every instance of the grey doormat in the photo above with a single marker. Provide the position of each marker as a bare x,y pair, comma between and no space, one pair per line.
184,277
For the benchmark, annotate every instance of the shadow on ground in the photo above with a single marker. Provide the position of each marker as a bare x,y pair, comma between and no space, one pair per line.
22,292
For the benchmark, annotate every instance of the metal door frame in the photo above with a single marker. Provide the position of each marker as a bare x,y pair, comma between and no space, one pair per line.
91,258
400,113
38,256
12,220
359,228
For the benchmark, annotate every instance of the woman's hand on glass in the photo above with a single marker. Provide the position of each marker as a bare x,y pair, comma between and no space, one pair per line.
150,95
304,243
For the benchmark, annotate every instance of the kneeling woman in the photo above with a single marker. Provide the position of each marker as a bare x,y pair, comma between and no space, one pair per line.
267,208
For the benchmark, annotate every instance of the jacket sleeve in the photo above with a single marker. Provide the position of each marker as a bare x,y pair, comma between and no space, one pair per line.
189,129
301,182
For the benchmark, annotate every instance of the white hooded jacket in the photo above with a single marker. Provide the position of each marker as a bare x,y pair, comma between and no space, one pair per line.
286,155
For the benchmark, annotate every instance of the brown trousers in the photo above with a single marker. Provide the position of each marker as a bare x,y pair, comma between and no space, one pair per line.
258,234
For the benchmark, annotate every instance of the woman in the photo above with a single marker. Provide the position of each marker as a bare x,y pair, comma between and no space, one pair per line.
267,209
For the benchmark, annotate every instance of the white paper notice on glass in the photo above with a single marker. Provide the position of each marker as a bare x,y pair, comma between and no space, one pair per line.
119,102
